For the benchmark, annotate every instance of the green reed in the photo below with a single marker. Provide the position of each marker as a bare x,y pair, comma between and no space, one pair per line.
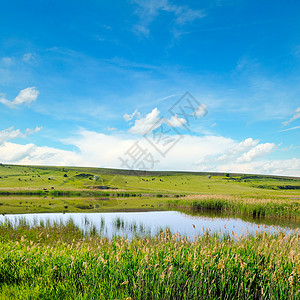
60,261
254,206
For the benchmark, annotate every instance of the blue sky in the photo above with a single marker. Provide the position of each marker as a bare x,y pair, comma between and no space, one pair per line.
72,74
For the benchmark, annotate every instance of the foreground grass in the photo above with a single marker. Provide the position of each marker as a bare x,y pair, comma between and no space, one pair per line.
59,261
252,206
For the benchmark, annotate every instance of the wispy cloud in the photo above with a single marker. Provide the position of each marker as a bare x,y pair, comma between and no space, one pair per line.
111,128
11,133
129,117
295,116
292,128
25,96
7,61
27,57
148,10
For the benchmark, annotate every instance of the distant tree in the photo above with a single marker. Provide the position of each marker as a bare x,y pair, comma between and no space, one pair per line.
96,178
227,174
65,175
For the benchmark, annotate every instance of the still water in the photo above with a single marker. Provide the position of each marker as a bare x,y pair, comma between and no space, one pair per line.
128,224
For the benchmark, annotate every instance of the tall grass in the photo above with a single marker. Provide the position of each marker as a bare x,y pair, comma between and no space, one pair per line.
59,261
254,206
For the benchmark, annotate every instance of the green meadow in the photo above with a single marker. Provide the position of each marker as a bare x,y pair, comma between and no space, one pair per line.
29,189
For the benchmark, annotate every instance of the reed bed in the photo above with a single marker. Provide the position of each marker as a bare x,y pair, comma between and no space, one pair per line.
60,261
255,206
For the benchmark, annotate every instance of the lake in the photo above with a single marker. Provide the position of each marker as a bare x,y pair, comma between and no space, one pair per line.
128,224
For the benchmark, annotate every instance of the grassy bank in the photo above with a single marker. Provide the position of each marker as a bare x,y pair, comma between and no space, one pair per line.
61,262
253,206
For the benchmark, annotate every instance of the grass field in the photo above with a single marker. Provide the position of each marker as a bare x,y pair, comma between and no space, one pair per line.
20,178
60,262
27,189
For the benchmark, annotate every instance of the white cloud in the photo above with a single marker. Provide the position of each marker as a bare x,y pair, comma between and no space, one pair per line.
295,116
239,157
10,152
288,167
258,151
98,149
176,122
10,133
32,131
143,125
288,129
32,154
102,150
243,146
7,61
152,121
283,166
201,111
111,128
25,96
28,57
128,117
148,10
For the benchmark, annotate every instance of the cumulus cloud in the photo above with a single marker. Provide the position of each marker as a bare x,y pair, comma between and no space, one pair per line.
32,154
258,151
99,149
241,157
237,149
143,125
295,116
25,96
152,121
175,121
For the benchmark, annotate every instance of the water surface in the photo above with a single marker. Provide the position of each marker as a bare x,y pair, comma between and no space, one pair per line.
128,224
